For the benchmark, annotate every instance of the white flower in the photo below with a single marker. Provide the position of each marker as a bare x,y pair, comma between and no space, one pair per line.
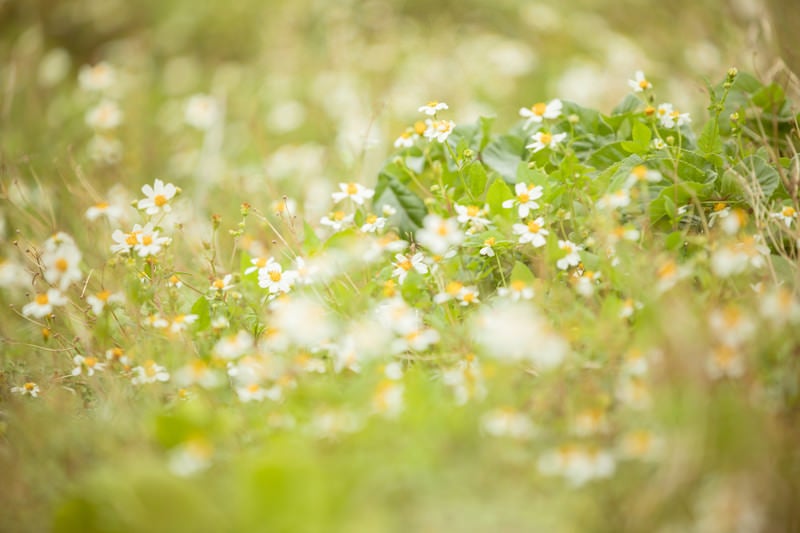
488,249
642,174
507,422
533,232
516,290
614,200
543,139
439,130
572,258
110,211
148,241
669,117
590,422
731,326
388,399
190,457
61,261
99,300
406,139
640,444
202,111
539,111
780,306
336,220
787,215
725,361
417,340
125,241
355,191
373,223
234,346
43,303
515,331
439,234
639,83
431,108
88,364
273,277
156,321
157,197
451,291
181,322
524,198
105,150
99,77
27,389
149,372
222,284
576,464
403,265
256,393
629,306
104,116
585,282
471,214
467,296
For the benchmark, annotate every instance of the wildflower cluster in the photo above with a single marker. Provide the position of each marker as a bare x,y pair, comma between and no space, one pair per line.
550,293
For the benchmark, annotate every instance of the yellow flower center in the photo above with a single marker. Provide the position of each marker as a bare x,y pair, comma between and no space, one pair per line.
218,284
338,215
442,230
668,270
253,388
261,262
103,295
433,103
724,356
389,288
160,200
518,285
788,211
545,138
405,265
454,287
473,210
640,172
489,242
131,239
649,110
173,279
179,319
29,386
275,275
731,316
719,206
150,368
420,127
469,297
42,299
352,189
101,205
116,353
523,197
90,362
147,240
371,219
539,108
644,84
533,227
62,265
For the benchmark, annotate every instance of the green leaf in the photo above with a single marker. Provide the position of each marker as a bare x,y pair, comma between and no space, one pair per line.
203,312
486,130
670,198
674,240
410,207
522,273
709,142
311,242
476,178
504,155
617,174
498,193
764,173
607,155
628,104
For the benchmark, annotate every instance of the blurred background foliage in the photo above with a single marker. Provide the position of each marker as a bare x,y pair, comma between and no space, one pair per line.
308,86
318,89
